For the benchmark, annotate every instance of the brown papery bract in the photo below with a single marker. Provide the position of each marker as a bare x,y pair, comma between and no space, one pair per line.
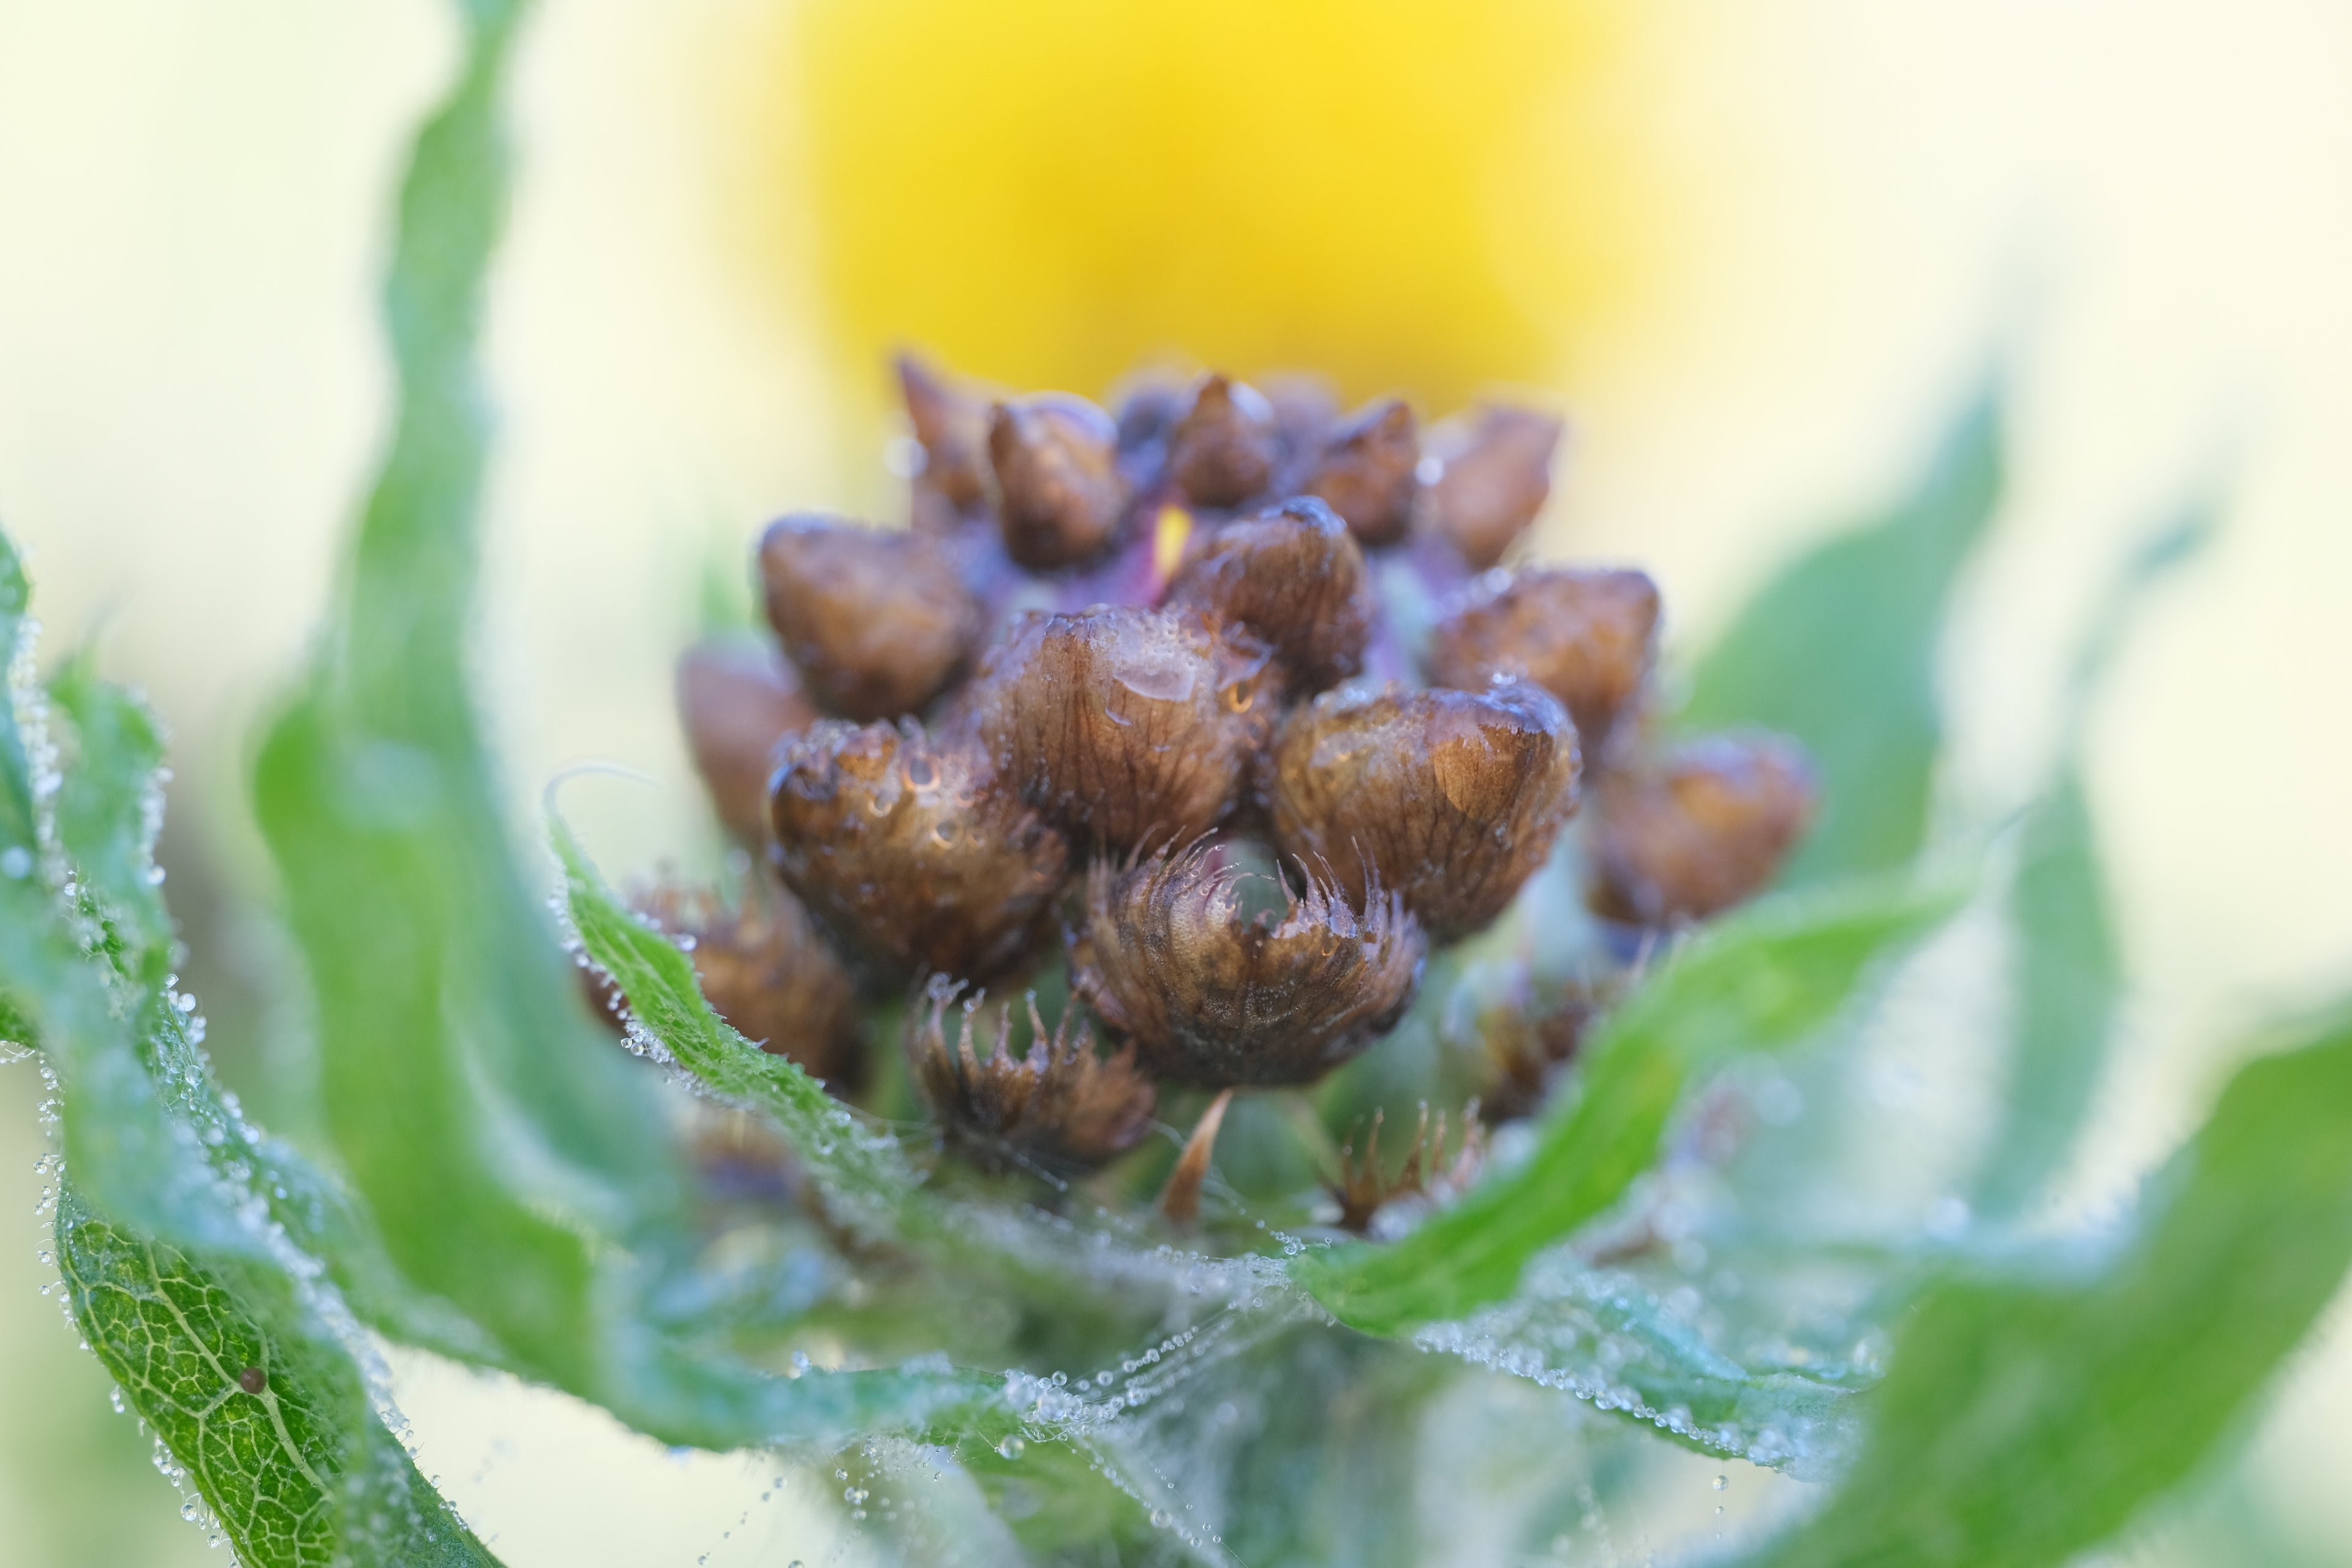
1125,726
1589,638
1056,462
1451,798
951,426
736,700
1368,471
1691,834
1211,995
879,623
1053,1110
911,853
1223,451
1497,478
1293,578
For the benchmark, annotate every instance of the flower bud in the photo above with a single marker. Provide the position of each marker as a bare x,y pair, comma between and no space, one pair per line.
1056,1109
1223,450
1366,1187
1122,724
764,968
1528,1038
1698,832
1494,484
1213,996
1368,471
1451,798
1057,461
879,623
909,854
951,426
1587,637
1295,579
735,700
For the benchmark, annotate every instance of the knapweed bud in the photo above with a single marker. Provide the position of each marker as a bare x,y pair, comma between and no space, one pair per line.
1124,725
735,700
1527,1038
1698,831
1364,1187
1367,471
1495,482
1168,956
1451,798
1588,637
1055,1110
951,426
879,623
1057,461
764,968
1223,451
909,854
1295,579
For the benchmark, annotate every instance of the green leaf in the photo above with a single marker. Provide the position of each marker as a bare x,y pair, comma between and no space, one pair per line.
2069,973
499,1144
1840,651
2023,1422
261,1407
865,1179
1762,981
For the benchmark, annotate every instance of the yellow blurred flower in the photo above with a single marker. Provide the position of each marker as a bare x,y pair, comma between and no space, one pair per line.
1409,195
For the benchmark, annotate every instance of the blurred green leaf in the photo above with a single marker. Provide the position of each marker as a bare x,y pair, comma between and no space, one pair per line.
2023,1422
2069,975
1763,980
1840,651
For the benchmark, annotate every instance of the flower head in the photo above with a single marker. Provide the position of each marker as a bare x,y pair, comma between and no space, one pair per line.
1699,830
1125,725
736,701
1451,798
879,623
1497,477
1295,580
1056,1109
1370,471
909,853
1169,957
1056,462
1588,637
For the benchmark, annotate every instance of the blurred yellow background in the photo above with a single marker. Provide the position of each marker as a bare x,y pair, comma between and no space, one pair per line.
1757,247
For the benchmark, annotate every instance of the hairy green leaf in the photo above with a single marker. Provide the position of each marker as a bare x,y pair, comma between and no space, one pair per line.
260,1404
2023,1422
1762,981
1840,651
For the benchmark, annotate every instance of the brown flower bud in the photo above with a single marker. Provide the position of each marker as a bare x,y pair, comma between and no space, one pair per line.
735,700
910,854
1587,637
1527,1038
1699,831
879,623
1125,725
764,968
1494,484
1170,957
1223,450
951,426
1055,1110
1056,461
1367,471
1451,798
1293,577
1364,1187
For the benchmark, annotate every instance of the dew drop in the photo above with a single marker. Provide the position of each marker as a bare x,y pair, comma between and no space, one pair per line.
1011,1448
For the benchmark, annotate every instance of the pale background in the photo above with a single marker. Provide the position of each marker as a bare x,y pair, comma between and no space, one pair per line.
2146,207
